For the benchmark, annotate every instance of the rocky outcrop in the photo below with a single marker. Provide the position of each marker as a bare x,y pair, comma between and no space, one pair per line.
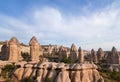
4,51
63,53
35,49
57,72
100,54
114,67
73,53
14,50
93,56
113,57
80,55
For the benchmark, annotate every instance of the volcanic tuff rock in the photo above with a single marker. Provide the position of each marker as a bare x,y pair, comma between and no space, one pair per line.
113,57
100,54
35,49
93,56
14,50
63,53
57,72
73,53
80,55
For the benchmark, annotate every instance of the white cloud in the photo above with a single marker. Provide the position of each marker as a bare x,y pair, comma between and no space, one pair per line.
50,25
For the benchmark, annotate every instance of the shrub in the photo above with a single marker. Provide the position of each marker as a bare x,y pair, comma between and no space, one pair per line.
7,69
115,76
66,60
48,80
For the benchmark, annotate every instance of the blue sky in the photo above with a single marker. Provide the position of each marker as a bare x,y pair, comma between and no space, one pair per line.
87,23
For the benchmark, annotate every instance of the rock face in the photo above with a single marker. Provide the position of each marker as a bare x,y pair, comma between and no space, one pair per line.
113,57
5,51
100,54
14,50
93,56
35,49
62,53
57,72
81,55
73,54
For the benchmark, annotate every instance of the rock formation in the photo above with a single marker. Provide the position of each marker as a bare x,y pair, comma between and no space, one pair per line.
73,54
62,53
100,54
5,51
81,55
57,72
93,56
113,57
35,49
14,50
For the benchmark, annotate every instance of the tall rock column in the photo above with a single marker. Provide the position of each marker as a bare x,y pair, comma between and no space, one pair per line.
62,53
14,50
100,54
35,49
73,54
93,56
113,56
81,55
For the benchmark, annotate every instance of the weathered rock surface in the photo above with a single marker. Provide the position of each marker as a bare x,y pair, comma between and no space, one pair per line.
113,57
73,54
35,49
114,67
57,72
100,54
14,50
80,55
5,51
63,53
93,56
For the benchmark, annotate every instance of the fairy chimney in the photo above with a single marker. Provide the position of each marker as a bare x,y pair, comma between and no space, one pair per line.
80,55
113,57
73,54
14,50
100,54
35,49
93,56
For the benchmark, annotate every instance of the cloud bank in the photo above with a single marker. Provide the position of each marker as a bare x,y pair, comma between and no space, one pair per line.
52,26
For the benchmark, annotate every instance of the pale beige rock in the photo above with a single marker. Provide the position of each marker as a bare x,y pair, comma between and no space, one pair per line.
60,72
63,76
81,55
63,53
39,75
35,49
19,73
93,56
14,50
113,57
73,54
100,54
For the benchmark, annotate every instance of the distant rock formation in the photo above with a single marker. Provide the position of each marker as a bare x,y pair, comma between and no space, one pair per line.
73,54
113,57
35,49
63,53
80,55
93,56
100,54
14,50
57,72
